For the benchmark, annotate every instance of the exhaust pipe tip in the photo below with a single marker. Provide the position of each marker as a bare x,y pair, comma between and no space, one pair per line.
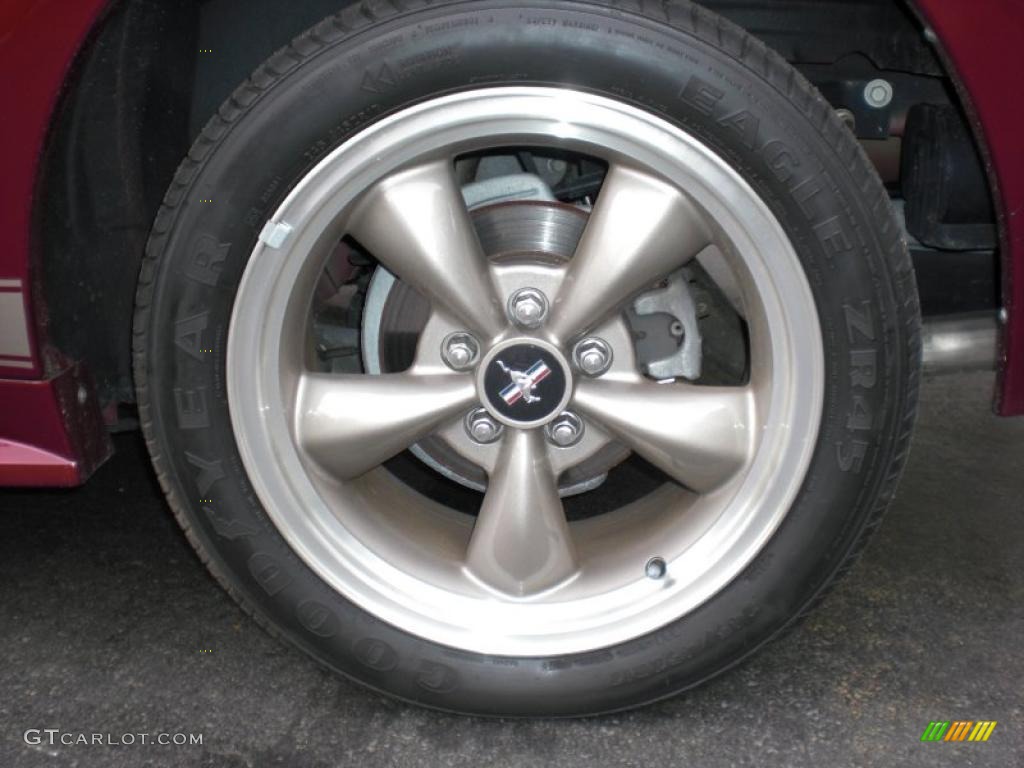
960,343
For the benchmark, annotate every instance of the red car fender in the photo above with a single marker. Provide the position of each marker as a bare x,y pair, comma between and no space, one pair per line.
981,43
51,431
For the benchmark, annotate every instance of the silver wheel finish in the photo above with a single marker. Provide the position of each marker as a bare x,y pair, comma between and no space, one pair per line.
519,580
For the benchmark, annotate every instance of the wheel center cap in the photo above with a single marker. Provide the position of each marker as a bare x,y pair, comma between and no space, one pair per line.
524,382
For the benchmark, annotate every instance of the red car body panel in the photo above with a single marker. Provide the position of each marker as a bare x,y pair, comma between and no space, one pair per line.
51,432
38,43
983,41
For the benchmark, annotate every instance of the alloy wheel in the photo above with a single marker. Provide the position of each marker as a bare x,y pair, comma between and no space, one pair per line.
525,367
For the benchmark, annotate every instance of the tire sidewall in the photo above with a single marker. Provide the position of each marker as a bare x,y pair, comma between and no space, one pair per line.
309,99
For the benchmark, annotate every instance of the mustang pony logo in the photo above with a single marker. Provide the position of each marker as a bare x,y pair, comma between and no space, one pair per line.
522,384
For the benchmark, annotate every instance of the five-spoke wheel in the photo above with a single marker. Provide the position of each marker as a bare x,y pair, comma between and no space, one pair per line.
542,357
526,366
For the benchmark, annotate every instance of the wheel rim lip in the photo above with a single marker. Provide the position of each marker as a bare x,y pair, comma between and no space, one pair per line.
501,625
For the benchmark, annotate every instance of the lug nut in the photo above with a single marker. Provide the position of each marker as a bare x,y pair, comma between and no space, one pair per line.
593,356
566,430
482,427
460,351
528,307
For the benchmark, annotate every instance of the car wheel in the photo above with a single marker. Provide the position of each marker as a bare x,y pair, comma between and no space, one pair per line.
527,358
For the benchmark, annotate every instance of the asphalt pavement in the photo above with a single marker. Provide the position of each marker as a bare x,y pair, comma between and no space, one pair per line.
109,625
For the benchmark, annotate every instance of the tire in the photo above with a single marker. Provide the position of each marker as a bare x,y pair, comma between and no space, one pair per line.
673,60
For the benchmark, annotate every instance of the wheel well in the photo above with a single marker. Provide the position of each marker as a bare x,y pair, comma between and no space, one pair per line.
120,131
154,71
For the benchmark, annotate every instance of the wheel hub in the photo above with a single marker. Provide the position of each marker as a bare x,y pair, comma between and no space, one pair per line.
524,383
529,242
